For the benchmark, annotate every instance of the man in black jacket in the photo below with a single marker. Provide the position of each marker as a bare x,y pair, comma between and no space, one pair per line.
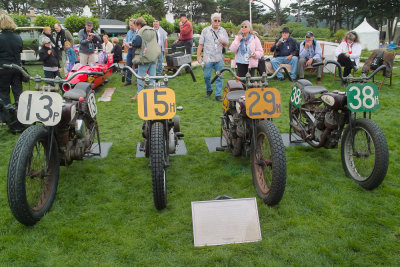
61,38
51,65
286,52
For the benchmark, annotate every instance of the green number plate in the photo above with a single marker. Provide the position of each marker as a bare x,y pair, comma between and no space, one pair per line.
295,97
362,97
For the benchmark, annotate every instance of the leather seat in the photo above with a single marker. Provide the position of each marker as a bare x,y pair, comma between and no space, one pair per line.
80,90
235,95
233,85
313,90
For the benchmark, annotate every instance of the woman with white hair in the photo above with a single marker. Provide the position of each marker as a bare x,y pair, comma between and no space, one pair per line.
348,53
10,53
248,50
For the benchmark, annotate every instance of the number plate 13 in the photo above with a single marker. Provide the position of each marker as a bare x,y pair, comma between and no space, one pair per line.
262,103
156,104
44,107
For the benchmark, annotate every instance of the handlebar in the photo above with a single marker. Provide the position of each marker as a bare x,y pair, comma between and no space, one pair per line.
55,80
248,79
165,77
350,79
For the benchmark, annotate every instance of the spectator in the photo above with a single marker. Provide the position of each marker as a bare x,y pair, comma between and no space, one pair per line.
162,42
248,50
186,35
116,51
348,53
88,39
62,36
47,33
128,44
286,52
146,51
310,52
10,53
107,45
71,56
47,54
212,41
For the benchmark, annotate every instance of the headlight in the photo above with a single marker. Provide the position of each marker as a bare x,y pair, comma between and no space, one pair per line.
66,87
328,99
238,109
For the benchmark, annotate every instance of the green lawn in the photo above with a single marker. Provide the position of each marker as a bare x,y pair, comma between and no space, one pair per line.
104,213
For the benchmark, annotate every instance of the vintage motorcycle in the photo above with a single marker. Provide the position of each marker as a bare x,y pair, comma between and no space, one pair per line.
247,127
319,117
66,132
161,127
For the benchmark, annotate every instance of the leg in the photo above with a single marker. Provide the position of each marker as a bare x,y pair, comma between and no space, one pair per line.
16,86
301,65
91,59
129,63
252,71
293,63
5,82
319,69
159,63
242,69
218,83
275,62
142,70
83,58
346,63
64,62
207,77
177,44
152,70
188,46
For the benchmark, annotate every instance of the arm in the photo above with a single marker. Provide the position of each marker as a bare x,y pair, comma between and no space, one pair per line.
69,37
43,55
294,47
224,39
82,38
186,28
137,42
259,50
276,45
356,51
318,51
235,45
303,51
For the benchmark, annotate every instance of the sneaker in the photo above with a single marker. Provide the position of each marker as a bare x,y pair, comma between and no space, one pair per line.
127,83
218,98
208,94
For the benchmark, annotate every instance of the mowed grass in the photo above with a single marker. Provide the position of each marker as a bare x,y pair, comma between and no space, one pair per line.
104,213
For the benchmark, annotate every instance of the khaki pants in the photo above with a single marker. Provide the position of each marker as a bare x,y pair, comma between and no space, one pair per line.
64,62
86,59
302,64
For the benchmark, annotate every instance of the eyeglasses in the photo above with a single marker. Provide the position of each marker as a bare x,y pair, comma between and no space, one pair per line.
244,26
217,20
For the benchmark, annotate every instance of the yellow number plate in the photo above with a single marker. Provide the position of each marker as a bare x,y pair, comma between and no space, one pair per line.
262,103
225,103
156,104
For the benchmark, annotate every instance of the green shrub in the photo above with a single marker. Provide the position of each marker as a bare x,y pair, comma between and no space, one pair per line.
44,21
168,27
20,20
339,35
147,17
75,23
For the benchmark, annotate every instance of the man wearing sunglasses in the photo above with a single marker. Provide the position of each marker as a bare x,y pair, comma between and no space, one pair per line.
212,41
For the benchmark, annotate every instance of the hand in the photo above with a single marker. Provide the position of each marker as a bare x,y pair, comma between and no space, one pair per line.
180,23
252,54
289,57
49,51
347,54
280,40
165,51
176,41
309,62
307,44
239,37
222,42
59,69
199,59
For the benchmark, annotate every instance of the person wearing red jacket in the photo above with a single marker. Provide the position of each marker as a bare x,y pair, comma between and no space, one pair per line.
186,36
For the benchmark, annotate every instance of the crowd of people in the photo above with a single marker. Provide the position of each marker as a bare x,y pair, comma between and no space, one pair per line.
147,46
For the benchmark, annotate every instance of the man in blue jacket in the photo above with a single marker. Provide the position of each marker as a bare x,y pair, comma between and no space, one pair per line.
285,52
88,40
310,52
128,44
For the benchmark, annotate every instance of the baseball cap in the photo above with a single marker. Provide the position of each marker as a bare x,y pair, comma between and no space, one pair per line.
89,23
182,15
46,40
309,34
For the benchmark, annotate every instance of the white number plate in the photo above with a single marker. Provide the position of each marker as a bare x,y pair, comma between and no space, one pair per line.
44,107
92,105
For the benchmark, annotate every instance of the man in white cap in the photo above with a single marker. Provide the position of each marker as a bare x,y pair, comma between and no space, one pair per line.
212,41
88,39
310,52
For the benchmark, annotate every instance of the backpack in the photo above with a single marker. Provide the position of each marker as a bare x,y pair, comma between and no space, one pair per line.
102,57
150,49
378,60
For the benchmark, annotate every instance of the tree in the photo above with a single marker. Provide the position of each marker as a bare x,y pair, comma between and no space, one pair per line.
276,7
20,20
75,23
43,20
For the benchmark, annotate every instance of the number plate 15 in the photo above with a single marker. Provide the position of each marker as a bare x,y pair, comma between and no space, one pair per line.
362,97
44,107
156,104
262,103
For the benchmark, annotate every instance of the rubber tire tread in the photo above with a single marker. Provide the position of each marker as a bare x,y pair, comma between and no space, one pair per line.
16,176
157,150
381,153
278,156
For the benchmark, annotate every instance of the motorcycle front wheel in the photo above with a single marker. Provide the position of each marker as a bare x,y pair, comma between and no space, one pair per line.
32,175
268,164
364,152
157,161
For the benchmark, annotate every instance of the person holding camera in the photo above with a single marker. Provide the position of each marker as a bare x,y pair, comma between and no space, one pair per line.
248,50
130,36
310,52
88,39
212,41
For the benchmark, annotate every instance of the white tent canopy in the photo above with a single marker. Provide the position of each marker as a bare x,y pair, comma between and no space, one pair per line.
369,37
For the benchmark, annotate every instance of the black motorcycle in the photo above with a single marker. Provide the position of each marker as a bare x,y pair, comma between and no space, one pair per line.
319,117
65,130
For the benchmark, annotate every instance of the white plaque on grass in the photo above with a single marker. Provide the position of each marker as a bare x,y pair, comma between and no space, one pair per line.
219,222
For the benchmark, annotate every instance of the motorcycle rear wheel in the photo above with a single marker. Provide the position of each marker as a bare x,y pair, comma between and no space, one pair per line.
364,152
157,160
31,188
268,164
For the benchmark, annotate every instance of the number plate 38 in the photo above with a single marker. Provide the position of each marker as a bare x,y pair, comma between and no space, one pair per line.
44,107
362,97
156,104
263,103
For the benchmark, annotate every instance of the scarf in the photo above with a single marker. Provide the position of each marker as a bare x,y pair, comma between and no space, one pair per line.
242,48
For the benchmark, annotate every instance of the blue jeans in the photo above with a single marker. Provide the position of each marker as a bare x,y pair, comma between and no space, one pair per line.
129,58
142,70
207,76
276,61
159,63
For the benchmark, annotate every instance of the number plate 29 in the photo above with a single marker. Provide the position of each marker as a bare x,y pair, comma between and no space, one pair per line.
263,103
362,97
156,104
44,107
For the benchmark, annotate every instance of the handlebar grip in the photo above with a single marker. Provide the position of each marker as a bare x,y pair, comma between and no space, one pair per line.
215,77
123,72
191,73
317,64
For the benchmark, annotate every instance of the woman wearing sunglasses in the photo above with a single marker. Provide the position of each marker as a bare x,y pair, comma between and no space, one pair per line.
348,52
248,50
